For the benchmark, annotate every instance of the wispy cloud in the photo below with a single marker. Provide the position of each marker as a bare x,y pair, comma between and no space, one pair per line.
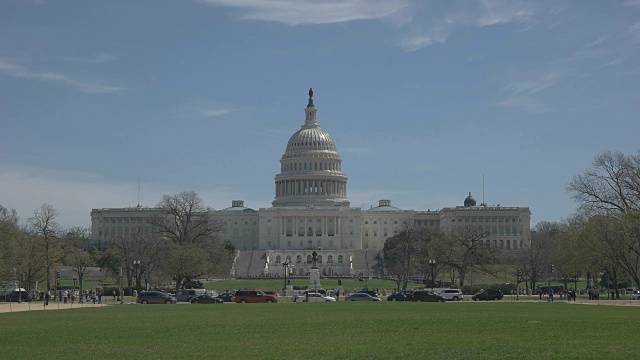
215,113
19,71
599,40
528,104
635,3
304,12
634,31
97,59
437,27
534,84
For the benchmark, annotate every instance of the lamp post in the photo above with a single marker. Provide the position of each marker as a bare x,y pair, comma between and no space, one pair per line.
285,267
432,264
136,267
74,282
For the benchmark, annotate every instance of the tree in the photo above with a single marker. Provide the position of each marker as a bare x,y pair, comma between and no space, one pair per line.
187,261
404,252
184,220
77,253
612,184
8,225
464,250
43,224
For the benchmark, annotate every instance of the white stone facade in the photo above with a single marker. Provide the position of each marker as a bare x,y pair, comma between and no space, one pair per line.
311,211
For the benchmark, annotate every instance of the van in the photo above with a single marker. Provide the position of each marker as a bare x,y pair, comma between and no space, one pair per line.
254,296
185,295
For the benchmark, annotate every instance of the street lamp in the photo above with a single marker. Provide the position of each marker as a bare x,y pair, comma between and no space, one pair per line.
432,264
74,282
285,267
136,267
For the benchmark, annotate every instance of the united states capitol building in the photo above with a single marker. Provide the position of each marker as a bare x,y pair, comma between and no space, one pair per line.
311,212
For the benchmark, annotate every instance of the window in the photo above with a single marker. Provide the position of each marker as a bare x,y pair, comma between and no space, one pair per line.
299,259
340,259
309,259
319,259
278,259
289,259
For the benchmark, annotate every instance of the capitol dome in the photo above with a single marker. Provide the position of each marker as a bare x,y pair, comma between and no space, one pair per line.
310,168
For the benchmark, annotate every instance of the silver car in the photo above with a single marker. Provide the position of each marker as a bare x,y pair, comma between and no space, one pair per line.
312,297
452,294
362,297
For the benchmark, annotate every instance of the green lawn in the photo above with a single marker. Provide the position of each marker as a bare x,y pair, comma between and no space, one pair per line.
325,331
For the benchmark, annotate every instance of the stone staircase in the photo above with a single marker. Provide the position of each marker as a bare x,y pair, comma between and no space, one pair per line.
250,263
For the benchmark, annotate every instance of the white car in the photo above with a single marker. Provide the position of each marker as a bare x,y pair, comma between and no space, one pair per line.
452,294
631,291
635,296
312,297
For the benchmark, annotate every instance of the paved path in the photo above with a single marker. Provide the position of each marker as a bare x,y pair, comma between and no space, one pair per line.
11,307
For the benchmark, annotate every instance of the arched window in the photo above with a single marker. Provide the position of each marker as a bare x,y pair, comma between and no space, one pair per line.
330,259
309,259
278,259
319,259
289,259
298,259
340,259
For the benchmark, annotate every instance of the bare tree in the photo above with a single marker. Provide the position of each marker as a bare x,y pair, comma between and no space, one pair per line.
403,253
464,250
8,226
184,219
43,224
77,253
612,184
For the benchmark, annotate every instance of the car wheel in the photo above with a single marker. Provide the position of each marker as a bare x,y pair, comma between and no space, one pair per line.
269,301
441,300
243,301
476,299
144,302
455,298
495,299
194,302
418,300
168,302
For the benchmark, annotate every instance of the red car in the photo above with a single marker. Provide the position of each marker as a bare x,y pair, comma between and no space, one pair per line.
254,296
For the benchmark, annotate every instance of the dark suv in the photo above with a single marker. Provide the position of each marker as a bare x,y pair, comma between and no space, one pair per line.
155,297
426,295
489,294
400,296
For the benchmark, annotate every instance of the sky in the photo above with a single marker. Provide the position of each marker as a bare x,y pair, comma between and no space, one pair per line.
423,98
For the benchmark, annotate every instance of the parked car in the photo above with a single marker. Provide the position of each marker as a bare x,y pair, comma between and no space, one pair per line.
15,295
452,294
253,296
206,299
270,292
185,295
155,297
370,292
226,297
361,297
400,296
312,297
426,296
489,294
630,291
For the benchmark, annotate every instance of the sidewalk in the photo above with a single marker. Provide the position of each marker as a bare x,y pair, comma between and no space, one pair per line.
12,307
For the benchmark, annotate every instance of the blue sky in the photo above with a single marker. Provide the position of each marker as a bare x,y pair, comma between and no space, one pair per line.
421,97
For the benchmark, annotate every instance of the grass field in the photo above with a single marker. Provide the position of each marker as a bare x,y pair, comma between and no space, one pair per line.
325,330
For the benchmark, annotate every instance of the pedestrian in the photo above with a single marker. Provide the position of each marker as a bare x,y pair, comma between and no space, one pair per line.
47,296
551,294
114,296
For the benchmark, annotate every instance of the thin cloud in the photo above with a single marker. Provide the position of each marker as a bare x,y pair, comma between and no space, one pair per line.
475,15
634,31
599,40
528,104
534,84
307,12
22,72
216,113
97,59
